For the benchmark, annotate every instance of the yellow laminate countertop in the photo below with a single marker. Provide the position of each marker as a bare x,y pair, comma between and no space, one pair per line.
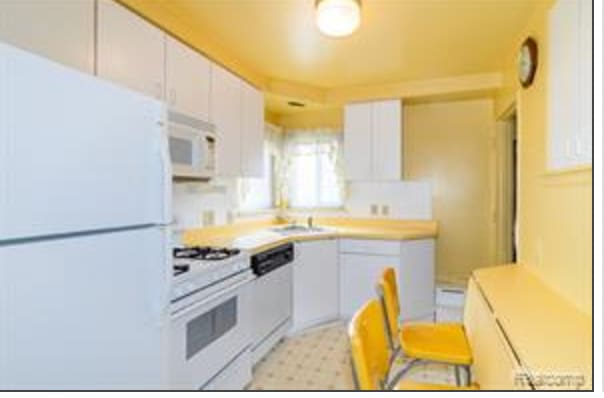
549,334
257,236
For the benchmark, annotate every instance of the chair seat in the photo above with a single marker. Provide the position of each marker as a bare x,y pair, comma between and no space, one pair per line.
412,386
439,342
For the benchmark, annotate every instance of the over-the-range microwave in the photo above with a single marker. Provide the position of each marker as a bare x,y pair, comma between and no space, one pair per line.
192,145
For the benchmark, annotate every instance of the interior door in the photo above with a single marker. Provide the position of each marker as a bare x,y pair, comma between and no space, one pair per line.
78,153
87,312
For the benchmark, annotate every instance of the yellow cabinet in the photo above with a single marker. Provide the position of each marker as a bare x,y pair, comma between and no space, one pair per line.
495,366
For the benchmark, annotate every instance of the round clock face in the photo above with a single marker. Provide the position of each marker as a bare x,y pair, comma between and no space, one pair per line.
527,62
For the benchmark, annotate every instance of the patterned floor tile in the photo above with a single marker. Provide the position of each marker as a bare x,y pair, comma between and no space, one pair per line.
319,359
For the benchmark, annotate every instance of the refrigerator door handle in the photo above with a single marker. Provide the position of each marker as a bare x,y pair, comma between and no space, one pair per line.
166,170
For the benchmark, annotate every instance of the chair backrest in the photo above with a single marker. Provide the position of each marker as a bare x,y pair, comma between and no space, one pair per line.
388,290
370,354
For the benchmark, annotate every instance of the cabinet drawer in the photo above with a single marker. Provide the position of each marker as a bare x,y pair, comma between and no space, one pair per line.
378,247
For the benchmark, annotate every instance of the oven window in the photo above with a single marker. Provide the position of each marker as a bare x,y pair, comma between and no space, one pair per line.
210,326
181,151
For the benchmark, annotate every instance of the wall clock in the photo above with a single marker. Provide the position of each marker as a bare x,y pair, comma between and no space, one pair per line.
527,62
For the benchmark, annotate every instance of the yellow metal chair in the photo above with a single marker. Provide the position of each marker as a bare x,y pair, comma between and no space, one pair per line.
423,341
371,356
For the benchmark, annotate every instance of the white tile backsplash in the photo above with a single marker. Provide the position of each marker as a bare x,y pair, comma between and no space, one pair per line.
398,199
194,202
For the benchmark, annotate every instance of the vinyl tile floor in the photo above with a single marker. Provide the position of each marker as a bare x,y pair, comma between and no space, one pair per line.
319,359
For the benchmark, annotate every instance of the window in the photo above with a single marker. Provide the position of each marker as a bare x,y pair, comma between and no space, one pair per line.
301,167
313,177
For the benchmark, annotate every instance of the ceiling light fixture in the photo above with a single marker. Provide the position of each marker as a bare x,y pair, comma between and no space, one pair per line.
338,18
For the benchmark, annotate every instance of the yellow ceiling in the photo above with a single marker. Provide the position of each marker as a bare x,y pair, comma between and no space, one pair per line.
275,43
398,40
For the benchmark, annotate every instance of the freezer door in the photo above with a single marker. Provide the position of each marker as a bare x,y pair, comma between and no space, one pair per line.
87,312
76,153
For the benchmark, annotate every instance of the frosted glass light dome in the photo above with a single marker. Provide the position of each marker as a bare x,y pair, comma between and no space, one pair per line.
338,18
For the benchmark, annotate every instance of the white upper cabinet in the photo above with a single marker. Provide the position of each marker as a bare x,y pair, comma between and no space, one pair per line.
252,132
226,116
357,141
187,80
570,84
61,30
387,140
237,111
373,140
130,51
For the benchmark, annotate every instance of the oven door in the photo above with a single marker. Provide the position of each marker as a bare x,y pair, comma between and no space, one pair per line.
208,335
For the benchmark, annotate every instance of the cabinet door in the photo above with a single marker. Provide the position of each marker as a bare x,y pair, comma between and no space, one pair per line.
416,279
316,283
130,51
61,30
359,275
187,80
387,140
357,141
226,115
252,132
494,367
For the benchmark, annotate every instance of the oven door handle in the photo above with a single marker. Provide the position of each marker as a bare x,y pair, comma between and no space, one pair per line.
197,304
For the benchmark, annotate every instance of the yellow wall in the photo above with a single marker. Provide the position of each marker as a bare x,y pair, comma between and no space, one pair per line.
448,144
554,209
319,118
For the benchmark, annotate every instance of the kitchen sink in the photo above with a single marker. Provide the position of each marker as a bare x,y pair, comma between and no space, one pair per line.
297,229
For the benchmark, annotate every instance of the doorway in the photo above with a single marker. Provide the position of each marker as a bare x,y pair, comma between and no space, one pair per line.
507,187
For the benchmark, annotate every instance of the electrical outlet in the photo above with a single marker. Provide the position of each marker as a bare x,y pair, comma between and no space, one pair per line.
385,210
374,210
208,218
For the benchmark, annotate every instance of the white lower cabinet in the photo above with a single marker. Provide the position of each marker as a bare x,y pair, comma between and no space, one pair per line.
359,275
416,279
362,263
316,283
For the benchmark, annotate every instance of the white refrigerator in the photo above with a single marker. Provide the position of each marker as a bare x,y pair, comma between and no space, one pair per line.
85,261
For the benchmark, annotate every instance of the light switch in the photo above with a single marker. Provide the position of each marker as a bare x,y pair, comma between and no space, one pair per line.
374,210
385,210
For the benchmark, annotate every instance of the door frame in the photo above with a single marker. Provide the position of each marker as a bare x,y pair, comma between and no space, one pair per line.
506,186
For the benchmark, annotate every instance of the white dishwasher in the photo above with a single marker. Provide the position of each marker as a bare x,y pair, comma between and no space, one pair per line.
272,298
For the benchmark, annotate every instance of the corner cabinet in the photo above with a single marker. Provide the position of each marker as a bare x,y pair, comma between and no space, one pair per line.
363,261
237,111
130,51
316,283
373,141
60,30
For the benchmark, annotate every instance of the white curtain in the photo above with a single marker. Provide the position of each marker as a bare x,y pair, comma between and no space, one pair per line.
263,193
312,169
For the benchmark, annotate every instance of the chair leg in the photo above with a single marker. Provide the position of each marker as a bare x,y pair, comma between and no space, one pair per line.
469,375
457,376
394,380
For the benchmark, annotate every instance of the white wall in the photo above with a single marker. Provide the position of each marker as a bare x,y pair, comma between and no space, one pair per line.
404,199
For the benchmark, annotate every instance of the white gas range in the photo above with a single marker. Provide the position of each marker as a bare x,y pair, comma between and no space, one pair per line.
210,309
